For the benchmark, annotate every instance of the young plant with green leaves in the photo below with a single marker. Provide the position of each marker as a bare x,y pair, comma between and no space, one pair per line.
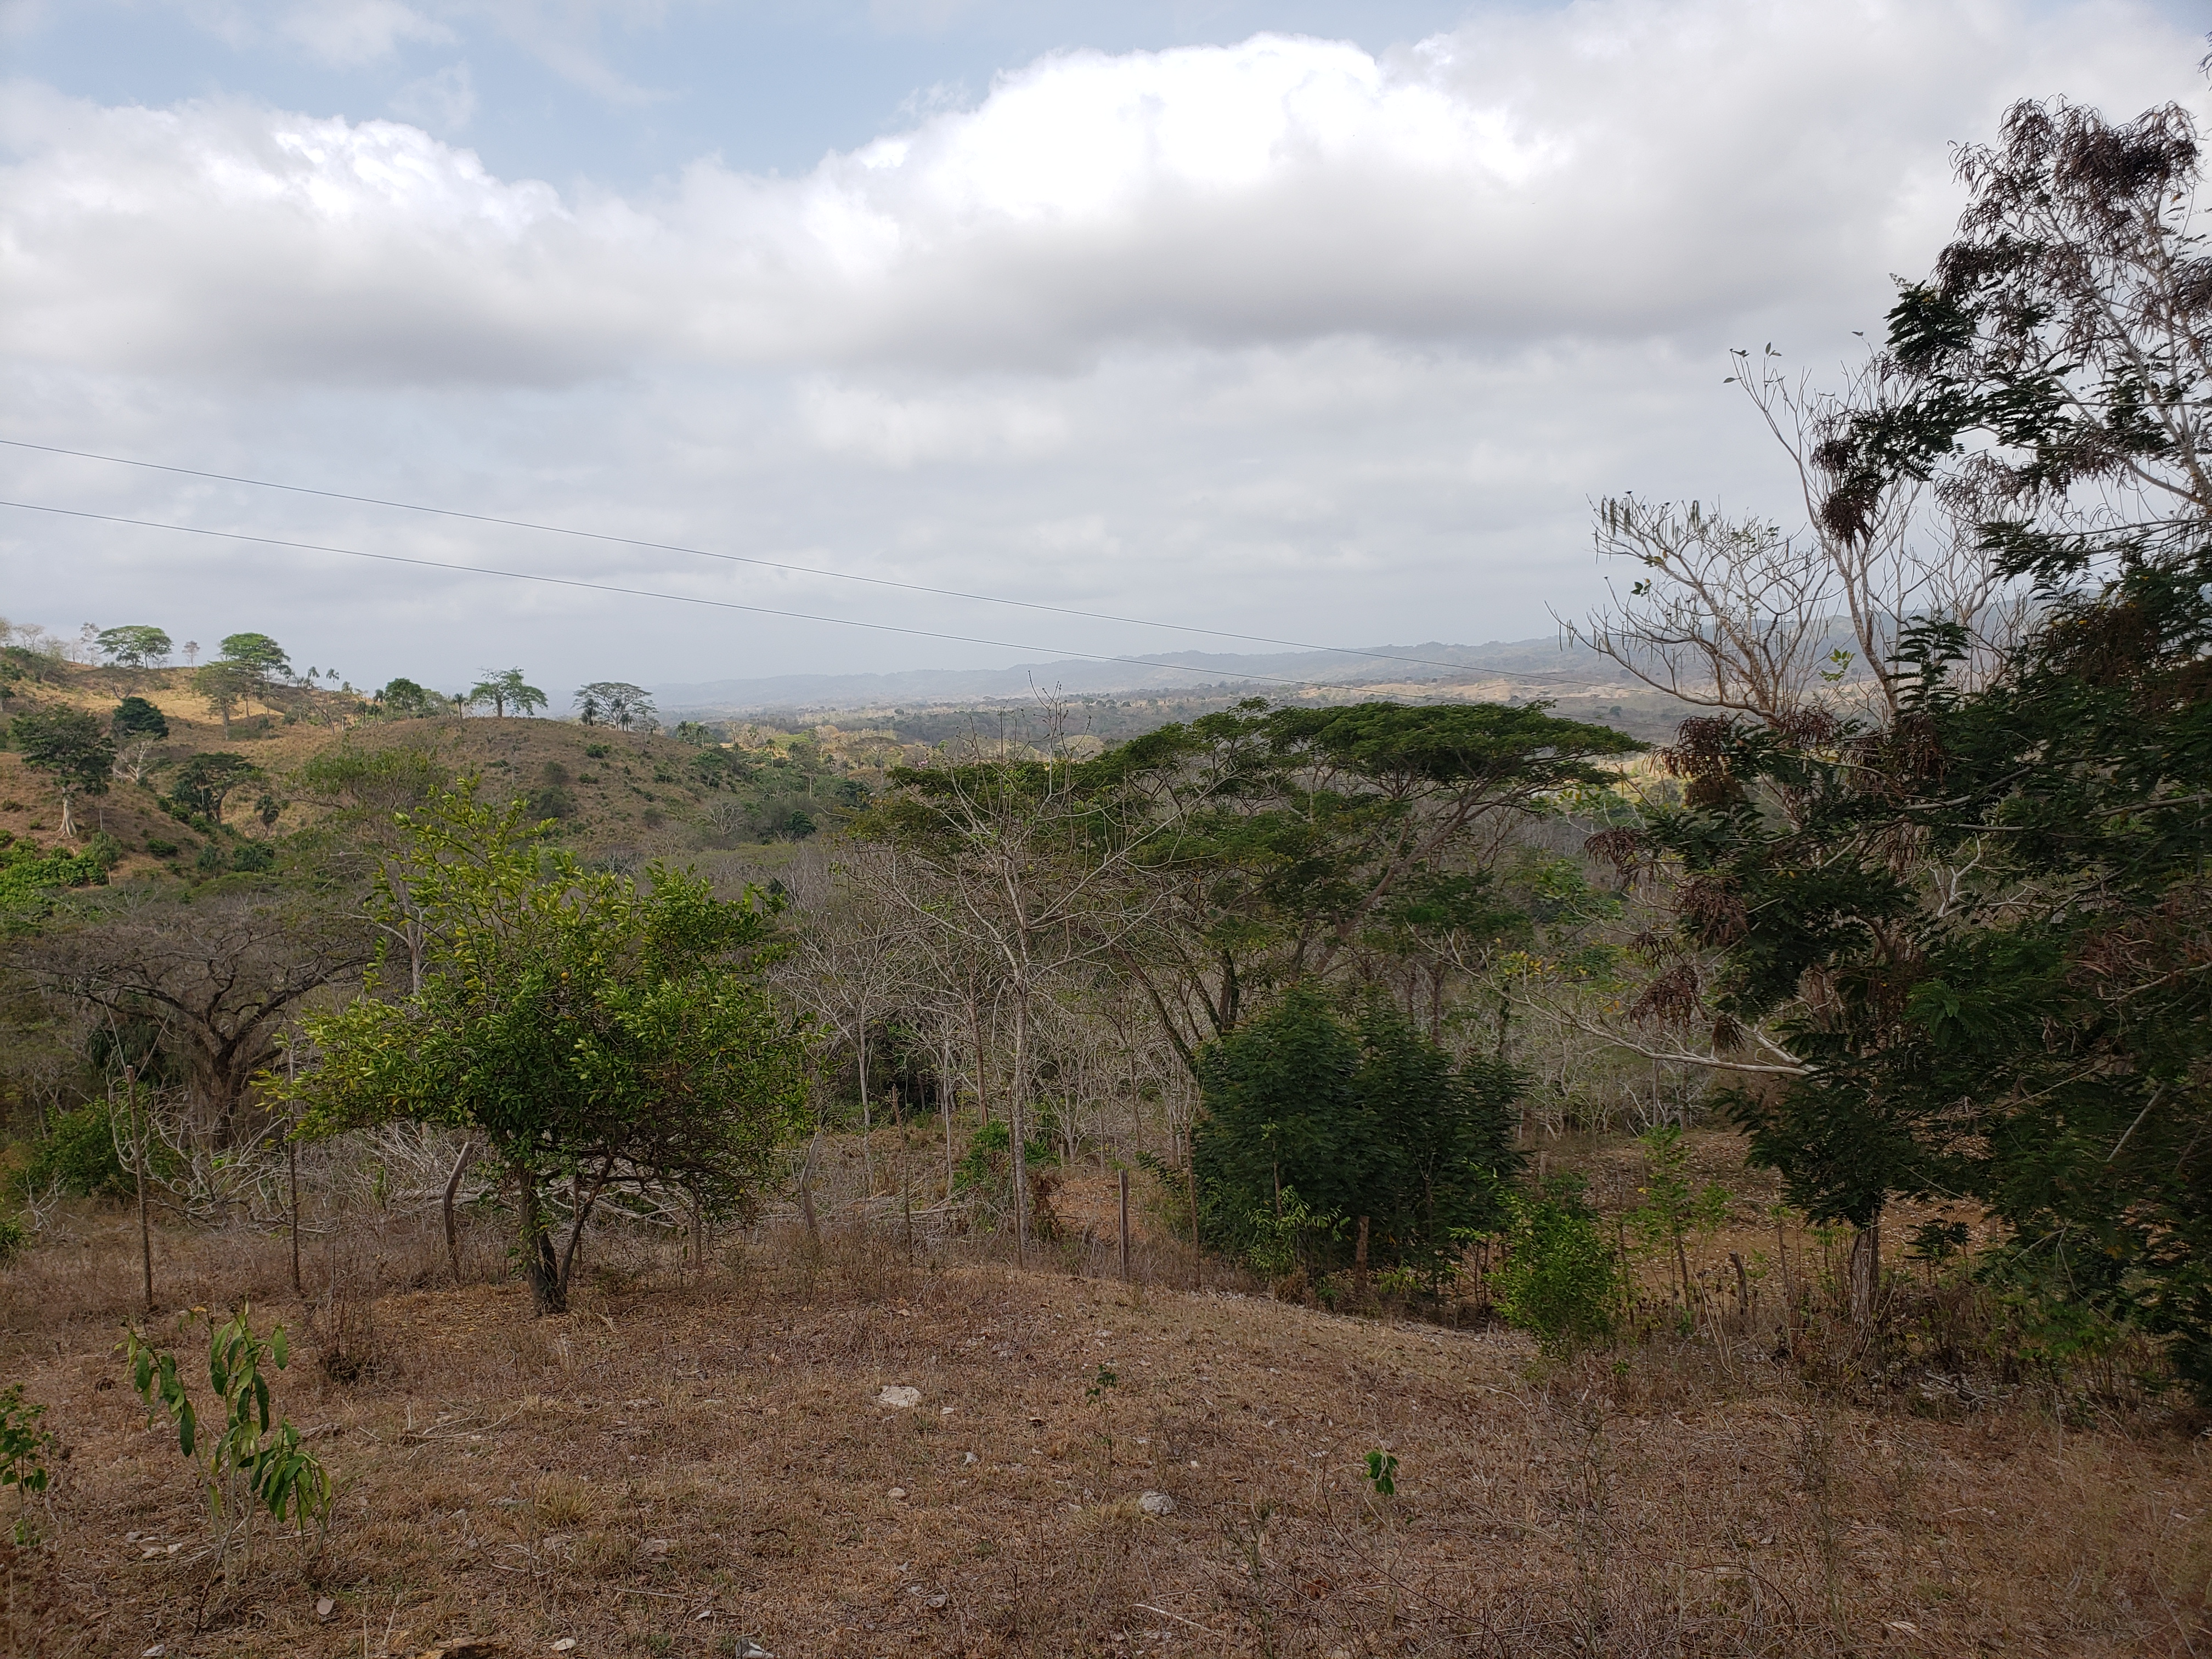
1671,1205
250,1459
601,1036
1559,1280
23,1449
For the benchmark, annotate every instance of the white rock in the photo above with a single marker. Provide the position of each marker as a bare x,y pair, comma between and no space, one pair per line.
564,1644
898,1492
904,1398
1156,1503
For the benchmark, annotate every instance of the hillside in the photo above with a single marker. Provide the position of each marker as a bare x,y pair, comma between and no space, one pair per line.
687,1466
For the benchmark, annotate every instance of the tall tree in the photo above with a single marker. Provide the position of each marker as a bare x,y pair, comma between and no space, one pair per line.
1979,928
1304,835
206,781
616,703
69,747
503,689
600,1035
138,646
260,656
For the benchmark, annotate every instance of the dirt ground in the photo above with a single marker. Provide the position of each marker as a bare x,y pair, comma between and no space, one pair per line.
706,1467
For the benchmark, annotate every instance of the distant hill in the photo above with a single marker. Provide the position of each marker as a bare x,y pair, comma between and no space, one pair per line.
1536,663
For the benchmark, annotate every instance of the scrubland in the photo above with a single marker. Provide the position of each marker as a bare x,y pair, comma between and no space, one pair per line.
696,1459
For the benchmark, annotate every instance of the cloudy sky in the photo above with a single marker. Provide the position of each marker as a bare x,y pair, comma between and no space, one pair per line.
1308,321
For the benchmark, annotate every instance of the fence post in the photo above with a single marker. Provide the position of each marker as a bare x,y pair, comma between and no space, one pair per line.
1125,1226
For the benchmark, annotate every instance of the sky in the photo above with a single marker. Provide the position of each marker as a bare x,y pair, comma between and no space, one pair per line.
1307,322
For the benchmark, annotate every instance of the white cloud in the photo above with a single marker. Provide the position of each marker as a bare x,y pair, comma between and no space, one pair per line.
346,33
1279,333
1619,169
443,103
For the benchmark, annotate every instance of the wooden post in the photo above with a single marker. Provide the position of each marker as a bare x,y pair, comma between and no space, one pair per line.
452,1189
1125,1226
292,1167
138,1160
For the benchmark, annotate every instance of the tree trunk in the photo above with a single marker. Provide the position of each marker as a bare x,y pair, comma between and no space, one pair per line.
540,1265
69,822
453,1188
1866,1271
1016,1101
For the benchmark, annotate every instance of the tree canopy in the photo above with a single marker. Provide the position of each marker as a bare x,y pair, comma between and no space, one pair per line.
601,1035
137,646
69,747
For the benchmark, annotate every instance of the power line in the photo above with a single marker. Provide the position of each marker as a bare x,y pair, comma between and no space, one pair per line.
635,593
740,558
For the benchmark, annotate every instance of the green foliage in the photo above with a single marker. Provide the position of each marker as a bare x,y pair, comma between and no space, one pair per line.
988,1163
601,1032
23,1449
258,655
79,1155
135,717
137,646
616,703
249,1460
403,700
1559,1280
504,688
1382,1473
379,780
698,736
29,878
1365,1119
14,1239
69,746
206,781
1671,1206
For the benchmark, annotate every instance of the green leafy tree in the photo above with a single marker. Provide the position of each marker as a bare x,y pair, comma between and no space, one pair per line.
1314,842
1306,1114
251,1460
135,717
258,655
503,689
1979,928
225,687
69,747
206,781
404,700
601,1036
135,646
617,703
1559,1279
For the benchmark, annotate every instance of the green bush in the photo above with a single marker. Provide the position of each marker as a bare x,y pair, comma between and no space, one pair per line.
79,1155
14,1239
1366,1118
1560,1280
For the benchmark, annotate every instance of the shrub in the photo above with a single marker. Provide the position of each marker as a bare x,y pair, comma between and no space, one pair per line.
1368,1118
161,848
79,1156
1559,1281
14,1239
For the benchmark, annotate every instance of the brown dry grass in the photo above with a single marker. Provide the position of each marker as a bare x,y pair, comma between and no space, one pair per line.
676,1464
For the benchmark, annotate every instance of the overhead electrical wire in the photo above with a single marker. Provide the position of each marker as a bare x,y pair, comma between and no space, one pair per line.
635,593
740,558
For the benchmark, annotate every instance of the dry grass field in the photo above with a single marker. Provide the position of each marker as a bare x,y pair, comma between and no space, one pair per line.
702,1465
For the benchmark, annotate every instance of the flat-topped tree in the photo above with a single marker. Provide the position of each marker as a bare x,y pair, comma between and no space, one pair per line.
599,1035
137,646
258,655
617,703
503,689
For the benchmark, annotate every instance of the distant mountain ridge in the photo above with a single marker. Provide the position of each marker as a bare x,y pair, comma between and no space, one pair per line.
1165,671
